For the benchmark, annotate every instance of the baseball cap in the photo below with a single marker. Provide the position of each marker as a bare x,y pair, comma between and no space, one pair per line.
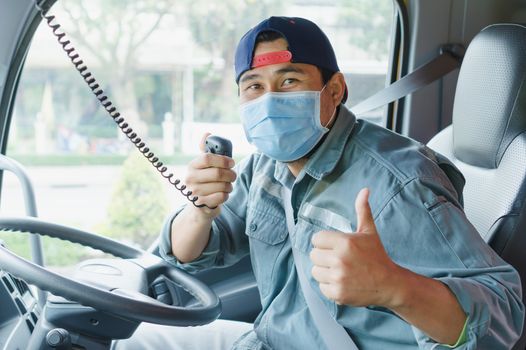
307,43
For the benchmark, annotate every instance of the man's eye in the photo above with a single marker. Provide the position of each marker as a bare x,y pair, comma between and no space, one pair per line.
289,81
253,87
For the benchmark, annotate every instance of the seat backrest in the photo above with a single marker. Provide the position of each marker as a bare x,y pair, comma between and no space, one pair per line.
487,140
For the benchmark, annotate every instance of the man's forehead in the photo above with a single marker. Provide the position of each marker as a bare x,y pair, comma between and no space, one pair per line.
272,45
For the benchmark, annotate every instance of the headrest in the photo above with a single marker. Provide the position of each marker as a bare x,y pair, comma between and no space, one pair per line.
490,99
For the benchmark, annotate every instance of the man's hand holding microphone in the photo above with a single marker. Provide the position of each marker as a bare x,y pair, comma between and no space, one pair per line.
210,177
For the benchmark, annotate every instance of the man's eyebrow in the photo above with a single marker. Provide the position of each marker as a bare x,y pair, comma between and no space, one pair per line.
247,77
288,69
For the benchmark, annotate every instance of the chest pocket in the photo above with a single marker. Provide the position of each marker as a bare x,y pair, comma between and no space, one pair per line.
265,214
267,232
265,227
312,219
268,236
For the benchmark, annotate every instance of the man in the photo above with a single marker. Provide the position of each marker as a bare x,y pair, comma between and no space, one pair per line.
390,252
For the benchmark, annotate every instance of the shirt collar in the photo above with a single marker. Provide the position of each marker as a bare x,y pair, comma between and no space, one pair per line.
329,153
325,158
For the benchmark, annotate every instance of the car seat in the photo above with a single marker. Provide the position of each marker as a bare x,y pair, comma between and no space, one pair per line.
487,140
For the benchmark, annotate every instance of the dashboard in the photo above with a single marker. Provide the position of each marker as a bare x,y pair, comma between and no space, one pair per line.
19,312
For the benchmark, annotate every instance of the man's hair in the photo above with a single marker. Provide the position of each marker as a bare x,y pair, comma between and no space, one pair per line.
271,35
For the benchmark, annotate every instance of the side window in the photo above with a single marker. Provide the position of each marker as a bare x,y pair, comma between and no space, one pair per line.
168,67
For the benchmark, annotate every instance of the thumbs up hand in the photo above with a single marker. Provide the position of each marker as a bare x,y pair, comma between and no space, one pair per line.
354,268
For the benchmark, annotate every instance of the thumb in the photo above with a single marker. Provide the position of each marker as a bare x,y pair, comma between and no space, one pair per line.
363,212
203,141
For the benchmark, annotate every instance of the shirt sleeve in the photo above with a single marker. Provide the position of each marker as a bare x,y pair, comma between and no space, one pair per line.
228,243
439,242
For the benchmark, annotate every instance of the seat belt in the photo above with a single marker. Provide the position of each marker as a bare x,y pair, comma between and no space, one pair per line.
333,334
449,59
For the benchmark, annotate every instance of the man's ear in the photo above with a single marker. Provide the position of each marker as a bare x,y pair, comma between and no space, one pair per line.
336,87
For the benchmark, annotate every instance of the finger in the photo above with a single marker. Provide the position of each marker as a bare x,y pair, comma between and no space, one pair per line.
202,144
323,257
363,212
321,274
329,290
213,200
211,175
327,239
210,160
208,188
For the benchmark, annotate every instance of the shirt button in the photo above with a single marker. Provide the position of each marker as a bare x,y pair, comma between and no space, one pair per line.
253,227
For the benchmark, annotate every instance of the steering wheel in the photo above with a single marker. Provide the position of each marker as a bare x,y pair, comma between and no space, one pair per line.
131,305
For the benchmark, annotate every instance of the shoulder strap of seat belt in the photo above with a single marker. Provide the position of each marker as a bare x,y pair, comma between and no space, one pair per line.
332,333
449,59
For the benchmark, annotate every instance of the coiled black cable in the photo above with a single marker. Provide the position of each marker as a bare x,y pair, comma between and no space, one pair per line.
90,80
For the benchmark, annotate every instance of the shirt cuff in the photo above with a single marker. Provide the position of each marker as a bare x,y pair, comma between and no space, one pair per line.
462,337
470,298
205,260
485,302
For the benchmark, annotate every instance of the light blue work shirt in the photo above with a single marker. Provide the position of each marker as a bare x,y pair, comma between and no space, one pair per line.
419,218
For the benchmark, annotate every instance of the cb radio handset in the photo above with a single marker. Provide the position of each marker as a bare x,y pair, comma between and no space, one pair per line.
218,145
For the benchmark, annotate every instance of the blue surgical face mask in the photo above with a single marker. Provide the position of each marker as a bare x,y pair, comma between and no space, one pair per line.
284,125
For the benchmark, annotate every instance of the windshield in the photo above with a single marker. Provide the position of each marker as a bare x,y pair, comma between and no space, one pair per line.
168,67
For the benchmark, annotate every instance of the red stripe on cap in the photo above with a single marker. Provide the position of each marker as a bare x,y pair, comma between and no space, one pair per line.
271,58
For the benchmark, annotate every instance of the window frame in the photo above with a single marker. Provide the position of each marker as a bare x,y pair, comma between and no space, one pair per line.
398,62
16,66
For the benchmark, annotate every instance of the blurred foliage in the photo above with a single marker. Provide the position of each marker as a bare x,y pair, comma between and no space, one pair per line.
154,96
210,107
138,205
369,24
17,242
92,159
63,253
56,252
113,32
217,26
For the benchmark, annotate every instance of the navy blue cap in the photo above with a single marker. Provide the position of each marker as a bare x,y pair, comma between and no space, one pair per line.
306,42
